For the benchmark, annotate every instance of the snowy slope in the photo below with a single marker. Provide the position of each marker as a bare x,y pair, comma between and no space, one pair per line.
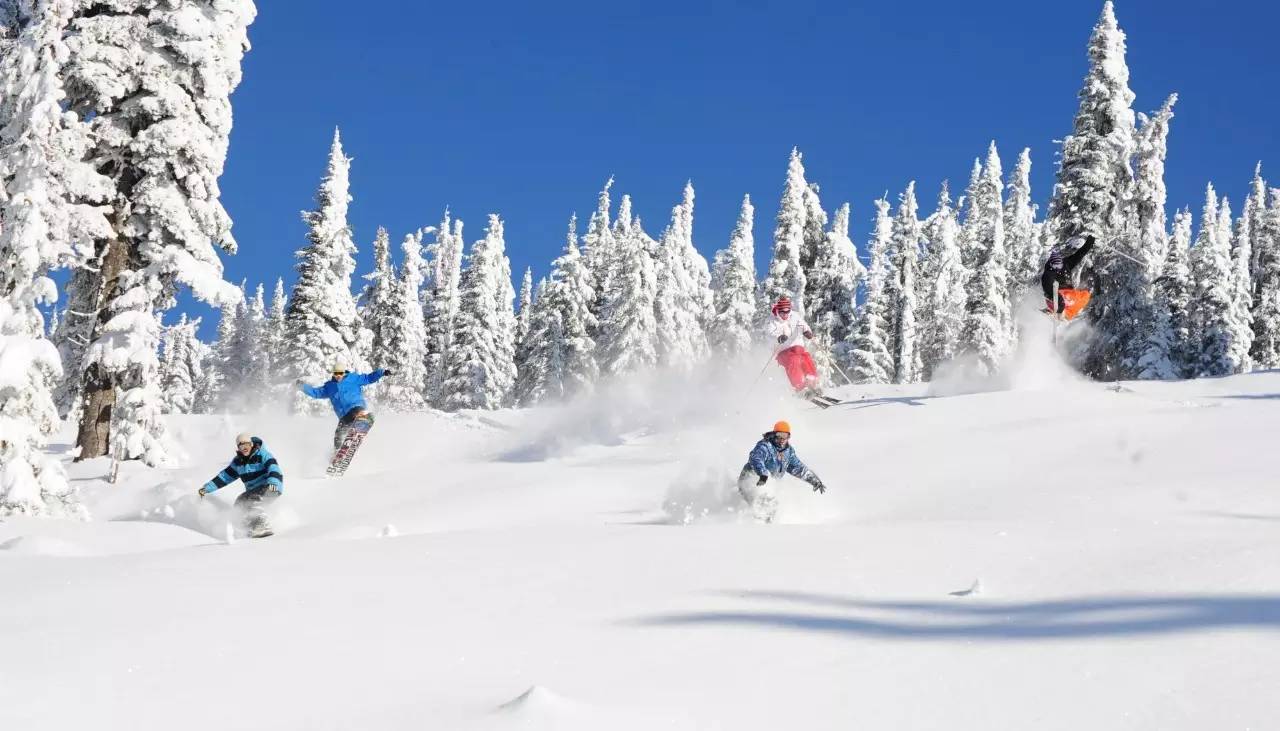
1058,555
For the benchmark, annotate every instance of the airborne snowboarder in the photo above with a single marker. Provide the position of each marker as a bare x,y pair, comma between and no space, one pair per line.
263,482
772,457
345,392
1056,278
789,331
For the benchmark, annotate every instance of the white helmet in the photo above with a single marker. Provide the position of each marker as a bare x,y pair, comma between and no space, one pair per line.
340,365
243,437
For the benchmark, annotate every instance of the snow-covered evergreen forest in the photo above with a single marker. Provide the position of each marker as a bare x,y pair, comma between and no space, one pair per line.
894,289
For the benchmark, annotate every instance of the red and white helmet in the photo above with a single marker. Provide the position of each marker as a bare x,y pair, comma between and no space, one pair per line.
782,306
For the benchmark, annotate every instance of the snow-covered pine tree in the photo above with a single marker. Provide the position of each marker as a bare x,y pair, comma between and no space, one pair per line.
255,362
379,311
273,338
1022,239
1266,307
628,339
561,355
946,278
786,277
45,222
481,360
733,283
600,248
1170,352
1242,287
154,80
815,225
442,301
869,358
1126,320
969,252
1255,211
904,252
833,287
182,369
322,327
405,335
987,315
1264,248
680,305
212,386
1214,329
526,302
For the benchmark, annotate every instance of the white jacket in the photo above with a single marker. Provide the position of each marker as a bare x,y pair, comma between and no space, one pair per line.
792,329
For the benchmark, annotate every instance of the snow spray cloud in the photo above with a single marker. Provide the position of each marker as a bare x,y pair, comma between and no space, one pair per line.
1037,362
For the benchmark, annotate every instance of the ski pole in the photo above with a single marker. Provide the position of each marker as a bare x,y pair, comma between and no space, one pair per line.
839,370
1108,247
758,375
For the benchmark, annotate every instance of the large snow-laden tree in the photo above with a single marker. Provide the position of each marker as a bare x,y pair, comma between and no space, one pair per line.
249,390
405,333
561,356
1021,234
733,282
1266,306
322,326
786,276
987,315
1215,328
628,339
1093,171
1124,311
682,300
833,287
1241,287
946,278
1255,212
904,253
481,360
868,352
154,79
442,300
46,221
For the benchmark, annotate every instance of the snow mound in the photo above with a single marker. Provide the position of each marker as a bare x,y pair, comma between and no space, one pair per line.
44,546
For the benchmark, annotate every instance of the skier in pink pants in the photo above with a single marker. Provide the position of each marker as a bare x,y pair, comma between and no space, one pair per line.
789,331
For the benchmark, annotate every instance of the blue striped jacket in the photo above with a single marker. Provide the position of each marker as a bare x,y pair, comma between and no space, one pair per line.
259,469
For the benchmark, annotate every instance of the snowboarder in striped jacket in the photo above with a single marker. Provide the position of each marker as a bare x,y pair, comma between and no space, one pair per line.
772,457
263,481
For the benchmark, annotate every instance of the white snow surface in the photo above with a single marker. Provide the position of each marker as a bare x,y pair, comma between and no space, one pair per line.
1057,555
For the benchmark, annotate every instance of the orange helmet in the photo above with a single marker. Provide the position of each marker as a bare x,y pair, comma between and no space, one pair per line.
782,426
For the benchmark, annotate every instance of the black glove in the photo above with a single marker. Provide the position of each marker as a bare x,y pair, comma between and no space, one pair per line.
387,372
782,338
763,479
818,486
808,335
297,382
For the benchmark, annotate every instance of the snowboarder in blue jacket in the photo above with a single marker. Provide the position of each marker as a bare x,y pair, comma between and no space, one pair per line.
772,457
263,481
345,392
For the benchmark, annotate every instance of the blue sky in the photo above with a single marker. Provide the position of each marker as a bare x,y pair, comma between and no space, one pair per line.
525,109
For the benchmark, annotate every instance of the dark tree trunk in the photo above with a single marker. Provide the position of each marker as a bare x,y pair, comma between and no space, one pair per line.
99,387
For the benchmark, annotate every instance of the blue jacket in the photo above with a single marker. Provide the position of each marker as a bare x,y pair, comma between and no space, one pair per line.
259,469
346,394
765,459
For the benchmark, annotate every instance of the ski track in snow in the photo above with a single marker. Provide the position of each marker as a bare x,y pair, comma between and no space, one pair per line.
1034,551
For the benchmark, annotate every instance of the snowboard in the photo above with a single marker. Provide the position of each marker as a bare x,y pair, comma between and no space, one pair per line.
351,442
256,525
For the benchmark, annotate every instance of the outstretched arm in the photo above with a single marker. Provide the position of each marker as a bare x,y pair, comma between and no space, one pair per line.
312,391
366,378
220,480
756,460
797,469
1070,262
